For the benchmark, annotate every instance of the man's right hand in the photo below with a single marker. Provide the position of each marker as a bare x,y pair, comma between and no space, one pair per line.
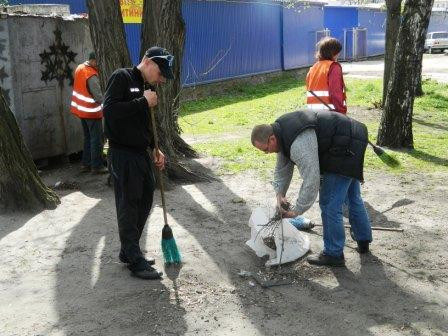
282,203
151,97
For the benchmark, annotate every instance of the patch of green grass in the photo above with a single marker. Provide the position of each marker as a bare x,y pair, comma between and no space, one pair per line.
238,110
238,156
243,107
364,92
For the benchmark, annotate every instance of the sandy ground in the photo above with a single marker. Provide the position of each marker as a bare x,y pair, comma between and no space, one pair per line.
60,273
435,66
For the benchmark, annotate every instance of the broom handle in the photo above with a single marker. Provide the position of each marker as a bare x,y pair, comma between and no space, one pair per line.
376,228
318,98
159,175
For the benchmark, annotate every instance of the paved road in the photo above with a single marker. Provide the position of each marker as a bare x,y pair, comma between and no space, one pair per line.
435,66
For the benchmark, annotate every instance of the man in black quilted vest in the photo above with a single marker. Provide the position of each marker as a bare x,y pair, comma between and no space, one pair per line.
328,144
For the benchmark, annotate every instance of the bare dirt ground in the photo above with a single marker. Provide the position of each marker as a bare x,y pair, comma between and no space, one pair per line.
60,273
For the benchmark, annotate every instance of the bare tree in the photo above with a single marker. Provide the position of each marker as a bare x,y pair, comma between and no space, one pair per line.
163,26
396,123
108,37
20,185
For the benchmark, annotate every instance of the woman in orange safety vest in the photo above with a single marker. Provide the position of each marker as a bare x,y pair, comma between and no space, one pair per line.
324,82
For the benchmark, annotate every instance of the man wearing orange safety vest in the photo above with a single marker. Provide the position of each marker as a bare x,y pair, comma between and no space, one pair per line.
86,105
324,82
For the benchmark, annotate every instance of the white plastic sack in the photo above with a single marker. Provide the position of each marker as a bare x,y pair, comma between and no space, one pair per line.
295,243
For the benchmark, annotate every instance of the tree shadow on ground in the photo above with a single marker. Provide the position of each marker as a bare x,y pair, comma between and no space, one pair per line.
12,221
95,294
220,228
378,218
425,123
421,155
374,295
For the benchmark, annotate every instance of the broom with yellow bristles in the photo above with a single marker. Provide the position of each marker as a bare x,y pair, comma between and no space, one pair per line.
380,152
170,251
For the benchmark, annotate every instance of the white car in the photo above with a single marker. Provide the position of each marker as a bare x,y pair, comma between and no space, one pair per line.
436,41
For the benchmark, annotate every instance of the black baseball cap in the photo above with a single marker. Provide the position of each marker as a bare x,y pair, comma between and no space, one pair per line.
163,59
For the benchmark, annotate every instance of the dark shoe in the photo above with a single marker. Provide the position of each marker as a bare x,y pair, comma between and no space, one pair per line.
125,260
148,274
363,246
322,259
99,170
85,169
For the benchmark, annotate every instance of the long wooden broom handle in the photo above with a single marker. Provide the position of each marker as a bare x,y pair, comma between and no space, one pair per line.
159,174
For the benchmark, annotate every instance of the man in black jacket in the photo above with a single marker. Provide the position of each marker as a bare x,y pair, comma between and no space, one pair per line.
333,145
128,127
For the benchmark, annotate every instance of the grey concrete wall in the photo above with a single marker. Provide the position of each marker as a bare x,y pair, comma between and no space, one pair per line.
42,107
41,9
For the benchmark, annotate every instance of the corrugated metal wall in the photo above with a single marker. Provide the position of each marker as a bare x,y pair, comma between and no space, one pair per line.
230,39
133,39
300,25
375,22
337,19
226,39
438,21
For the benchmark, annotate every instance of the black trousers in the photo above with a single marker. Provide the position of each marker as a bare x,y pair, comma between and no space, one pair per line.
134,185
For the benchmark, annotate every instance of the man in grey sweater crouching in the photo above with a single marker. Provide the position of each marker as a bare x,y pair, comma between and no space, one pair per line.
328,144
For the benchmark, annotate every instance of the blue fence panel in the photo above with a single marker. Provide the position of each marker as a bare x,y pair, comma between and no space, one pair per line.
230,39
338,19
438,21
133,40
375,22
76,6
300,25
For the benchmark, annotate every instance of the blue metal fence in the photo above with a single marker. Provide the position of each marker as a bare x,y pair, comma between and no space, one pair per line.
133,39
227,39
301,26
230,39
339,19
374,21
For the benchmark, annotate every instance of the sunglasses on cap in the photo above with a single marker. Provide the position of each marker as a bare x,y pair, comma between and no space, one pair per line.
168,58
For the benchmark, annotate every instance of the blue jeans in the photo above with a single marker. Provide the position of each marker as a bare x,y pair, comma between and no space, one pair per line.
335,190
93,143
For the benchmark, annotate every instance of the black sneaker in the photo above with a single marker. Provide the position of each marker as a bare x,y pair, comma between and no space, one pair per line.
363,246
125,260
322,259
149,273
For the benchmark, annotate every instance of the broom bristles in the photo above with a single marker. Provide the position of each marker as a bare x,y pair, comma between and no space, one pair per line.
171,253
385,157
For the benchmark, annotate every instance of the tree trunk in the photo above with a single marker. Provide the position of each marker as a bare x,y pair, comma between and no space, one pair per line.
163,26
418,87
396,123
108,37
20,185
392,28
